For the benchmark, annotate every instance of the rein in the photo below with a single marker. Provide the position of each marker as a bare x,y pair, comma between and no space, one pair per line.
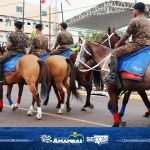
78,60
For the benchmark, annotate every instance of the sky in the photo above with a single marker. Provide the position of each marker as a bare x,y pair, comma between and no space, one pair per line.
78,4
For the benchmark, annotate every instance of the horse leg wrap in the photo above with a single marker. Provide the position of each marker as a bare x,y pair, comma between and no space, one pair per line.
18,100
116,117
39,113
1,103
10,101
149,110
122,110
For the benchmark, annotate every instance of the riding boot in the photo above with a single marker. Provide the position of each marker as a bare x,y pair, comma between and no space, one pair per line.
1,75
113,65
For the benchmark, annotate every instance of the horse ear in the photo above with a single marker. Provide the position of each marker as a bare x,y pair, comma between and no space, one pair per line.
109,31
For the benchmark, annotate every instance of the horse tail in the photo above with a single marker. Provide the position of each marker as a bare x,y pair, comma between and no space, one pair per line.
72,79
45,82
109,31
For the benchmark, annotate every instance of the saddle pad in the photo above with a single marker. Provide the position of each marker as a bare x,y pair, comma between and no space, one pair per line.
133,66
10,65
67,53
44,56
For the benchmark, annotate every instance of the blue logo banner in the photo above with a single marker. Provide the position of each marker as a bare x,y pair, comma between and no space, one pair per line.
74,138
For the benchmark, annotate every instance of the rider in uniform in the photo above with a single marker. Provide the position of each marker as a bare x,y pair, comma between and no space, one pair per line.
139,29
64,40
17,42
39,44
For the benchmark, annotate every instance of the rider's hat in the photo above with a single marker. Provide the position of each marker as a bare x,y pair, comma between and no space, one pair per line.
18,24
140,6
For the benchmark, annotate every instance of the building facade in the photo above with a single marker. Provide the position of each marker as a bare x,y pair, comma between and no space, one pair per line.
12,10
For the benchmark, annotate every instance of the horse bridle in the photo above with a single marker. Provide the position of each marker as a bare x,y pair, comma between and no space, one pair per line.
108,39
78,60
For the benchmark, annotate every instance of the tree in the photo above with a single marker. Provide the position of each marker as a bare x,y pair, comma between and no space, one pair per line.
91,36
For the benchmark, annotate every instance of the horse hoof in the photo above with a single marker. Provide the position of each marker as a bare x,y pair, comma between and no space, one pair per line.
68,109
146,115
83,109
29,113
115,125
38,117
123,123
91,106
60,112
1,108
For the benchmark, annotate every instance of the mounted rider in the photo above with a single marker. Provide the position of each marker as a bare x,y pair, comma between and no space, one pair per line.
17,42
39,44
64,40
139,29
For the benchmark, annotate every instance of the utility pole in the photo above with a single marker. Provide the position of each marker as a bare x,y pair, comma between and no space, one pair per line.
62,13
23,13
50,25
40,12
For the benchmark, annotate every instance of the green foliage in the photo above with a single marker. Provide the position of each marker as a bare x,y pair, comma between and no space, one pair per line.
32,36
93,36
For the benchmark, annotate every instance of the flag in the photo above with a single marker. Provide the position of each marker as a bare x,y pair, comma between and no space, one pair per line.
68,2
42,1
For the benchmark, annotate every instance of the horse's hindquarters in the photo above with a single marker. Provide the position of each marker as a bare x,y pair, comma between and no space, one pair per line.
138,85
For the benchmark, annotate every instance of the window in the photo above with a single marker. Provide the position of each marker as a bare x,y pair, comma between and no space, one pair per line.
46,25
19,9
1,36
8,22
1,20
28,23
44,13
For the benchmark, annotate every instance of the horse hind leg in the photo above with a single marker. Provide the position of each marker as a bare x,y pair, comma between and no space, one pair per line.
65,82
8,95
62,95
34,90
146,102
20,85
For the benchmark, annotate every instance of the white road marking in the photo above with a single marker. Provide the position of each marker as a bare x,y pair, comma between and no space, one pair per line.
68,118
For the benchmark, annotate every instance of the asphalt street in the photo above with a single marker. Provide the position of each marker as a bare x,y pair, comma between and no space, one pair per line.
98,117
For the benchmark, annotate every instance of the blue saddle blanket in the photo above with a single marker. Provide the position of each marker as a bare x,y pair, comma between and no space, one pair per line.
10,65
67,53
135,63
44,56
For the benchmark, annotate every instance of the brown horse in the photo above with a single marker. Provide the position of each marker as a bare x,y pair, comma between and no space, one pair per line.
99,54
85,78
30,72
60,70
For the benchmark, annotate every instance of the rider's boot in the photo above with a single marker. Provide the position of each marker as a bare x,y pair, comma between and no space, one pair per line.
112,76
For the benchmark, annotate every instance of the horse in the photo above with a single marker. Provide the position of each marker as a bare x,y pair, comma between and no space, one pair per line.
85,78
100,54
31,73
59,69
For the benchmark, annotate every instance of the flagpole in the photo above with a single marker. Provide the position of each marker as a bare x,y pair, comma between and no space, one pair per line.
62,14
50,24
23,13
40,12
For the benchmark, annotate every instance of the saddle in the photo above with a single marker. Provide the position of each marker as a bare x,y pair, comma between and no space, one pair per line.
9,66
133,66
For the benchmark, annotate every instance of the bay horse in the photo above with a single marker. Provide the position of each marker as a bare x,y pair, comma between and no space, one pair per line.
99,54
85,78
30,70
60,70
